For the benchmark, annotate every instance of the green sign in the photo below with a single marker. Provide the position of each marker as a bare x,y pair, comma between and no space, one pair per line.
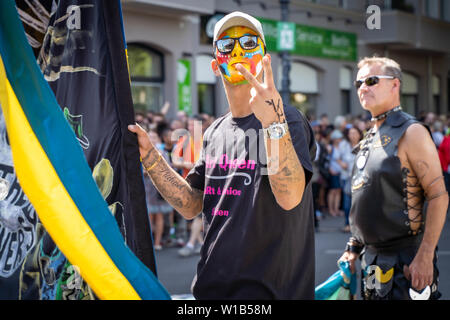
312,41
184,85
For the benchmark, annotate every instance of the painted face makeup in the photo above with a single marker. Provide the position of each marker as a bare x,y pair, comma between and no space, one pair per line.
251,59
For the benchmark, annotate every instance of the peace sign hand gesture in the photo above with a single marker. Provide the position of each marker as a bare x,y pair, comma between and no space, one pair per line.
265,101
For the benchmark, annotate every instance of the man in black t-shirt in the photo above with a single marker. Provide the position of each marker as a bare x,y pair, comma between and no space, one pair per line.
251,182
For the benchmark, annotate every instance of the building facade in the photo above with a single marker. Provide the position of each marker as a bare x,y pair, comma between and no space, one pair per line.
170,51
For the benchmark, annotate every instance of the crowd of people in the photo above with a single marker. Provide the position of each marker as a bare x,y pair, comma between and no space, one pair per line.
331,182
334,161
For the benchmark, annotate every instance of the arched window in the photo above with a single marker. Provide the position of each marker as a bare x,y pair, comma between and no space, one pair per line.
304,86
147,77
410,93
206,83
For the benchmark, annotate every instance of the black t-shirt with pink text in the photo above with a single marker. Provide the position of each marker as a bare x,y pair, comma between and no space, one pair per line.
253,249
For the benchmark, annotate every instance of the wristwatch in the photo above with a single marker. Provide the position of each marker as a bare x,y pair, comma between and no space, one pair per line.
276,130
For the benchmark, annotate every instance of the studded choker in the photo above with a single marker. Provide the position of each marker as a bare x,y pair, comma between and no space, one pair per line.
385,114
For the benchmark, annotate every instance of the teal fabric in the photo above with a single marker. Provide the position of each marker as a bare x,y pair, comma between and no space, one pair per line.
329,289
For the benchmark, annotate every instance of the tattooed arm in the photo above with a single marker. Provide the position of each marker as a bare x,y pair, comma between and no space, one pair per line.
286,174
174,189
423,159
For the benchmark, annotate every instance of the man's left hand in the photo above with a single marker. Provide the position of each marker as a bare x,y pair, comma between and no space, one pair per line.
265,100
420,271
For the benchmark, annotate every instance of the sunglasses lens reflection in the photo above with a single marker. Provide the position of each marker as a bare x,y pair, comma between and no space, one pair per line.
225,45
248,42
371,81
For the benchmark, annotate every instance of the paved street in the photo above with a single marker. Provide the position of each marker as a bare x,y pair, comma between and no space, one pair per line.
176,273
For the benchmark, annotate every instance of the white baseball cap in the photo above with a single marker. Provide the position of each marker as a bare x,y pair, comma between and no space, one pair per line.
238,18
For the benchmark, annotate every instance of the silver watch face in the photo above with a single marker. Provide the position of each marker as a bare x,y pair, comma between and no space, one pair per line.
276,131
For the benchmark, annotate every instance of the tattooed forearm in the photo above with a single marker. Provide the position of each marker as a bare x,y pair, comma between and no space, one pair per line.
176,190
286,175
173,180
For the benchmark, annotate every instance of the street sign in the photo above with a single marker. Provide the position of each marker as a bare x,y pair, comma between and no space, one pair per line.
184,85
309,41
286,36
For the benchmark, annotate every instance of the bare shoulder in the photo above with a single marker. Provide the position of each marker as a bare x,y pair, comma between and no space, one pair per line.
417,131
418,148
416,138
416,144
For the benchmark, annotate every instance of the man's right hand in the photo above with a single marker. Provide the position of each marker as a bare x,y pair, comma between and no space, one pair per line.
145,145
351,257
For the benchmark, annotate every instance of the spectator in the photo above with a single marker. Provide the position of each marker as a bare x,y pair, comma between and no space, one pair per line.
340,122
182,116
177,124
187,152
437,132
158,118
156,205
317,181
324,167
177,224
353,136
334,192
444,157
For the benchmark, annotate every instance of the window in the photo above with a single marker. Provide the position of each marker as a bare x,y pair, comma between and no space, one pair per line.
206,83
345,82
147,77
409,94
432,7
304,87
446,10
383,4
438,9
401,5
207,23
206,96
436,88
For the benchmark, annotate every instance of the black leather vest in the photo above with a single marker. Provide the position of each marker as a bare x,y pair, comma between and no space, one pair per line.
379,212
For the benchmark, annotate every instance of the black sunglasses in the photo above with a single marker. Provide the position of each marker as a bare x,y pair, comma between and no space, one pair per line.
371,81
247,42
